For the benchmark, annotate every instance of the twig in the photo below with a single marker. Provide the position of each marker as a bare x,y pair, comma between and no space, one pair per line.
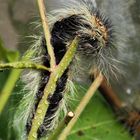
50,88
46,32
9,86
61,126
67,58
128,117
81,106
14,76
110,95
23,65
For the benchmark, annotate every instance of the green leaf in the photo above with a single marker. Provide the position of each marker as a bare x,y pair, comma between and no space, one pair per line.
6,55
12,56
98,122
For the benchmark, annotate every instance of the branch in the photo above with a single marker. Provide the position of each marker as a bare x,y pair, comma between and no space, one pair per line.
46,32
67,58
111,97
23,65
81,106
50,88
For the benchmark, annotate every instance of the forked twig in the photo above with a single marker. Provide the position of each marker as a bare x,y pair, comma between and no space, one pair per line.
50,88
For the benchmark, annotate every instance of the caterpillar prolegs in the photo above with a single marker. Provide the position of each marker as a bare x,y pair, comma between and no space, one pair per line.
96,35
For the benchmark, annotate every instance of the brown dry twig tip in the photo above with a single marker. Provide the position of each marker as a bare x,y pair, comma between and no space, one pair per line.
82,106
61,126
69,116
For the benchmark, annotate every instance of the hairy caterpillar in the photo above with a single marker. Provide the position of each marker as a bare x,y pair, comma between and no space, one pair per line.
96,45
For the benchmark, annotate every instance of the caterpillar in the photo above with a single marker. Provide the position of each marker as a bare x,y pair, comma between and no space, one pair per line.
95,50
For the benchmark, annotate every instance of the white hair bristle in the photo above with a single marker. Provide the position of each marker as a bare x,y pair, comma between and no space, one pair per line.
105,60
31,81
84,61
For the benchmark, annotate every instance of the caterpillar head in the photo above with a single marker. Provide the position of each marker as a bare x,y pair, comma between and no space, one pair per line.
96,35
95,32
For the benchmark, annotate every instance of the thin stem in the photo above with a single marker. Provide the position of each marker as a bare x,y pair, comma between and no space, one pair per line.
23,65
109,94
42,108
81,106
61,126
46,32
50,88
67,58
8,87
